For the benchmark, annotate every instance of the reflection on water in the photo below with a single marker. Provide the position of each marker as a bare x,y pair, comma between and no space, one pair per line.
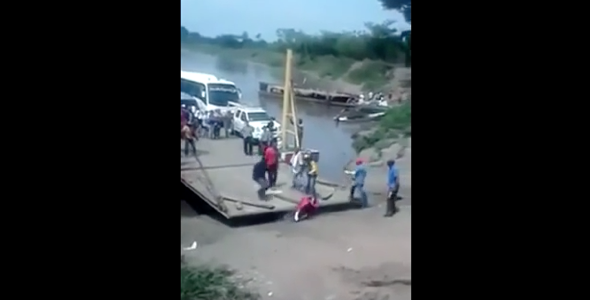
321,132
231,65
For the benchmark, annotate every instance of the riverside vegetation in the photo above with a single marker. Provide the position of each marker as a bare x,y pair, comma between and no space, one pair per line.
364,57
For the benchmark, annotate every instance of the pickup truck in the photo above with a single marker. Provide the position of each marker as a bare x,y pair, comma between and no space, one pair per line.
257,117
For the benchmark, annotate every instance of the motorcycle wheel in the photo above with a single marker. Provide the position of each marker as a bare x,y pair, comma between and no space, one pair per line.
299,215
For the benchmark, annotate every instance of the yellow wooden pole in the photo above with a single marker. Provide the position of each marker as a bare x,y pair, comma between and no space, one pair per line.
288,106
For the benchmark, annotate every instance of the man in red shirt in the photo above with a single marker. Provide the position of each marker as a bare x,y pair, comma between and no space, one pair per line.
271,157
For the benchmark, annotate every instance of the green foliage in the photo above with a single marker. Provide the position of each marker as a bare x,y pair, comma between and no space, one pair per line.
403,6
328,54
205,283
397,121
398,118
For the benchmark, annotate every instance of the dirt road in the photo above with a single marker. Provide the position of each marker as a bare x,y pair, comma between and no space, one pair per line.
356,255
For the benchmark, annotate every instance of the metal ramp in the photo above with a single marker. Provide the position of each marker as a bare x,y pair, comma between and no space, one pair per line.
222,177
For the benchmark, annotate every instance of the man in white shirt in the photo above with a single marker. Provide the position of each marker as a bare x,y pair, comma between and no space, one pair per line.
296,167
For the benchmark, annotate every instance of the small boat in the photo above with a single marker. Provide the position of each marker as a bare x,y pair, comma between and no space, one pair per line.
310,95
361,113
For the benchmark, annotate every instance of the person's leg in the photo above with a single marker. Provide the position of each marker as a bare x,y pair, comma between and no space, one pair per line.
186,147
364,198
352,189
268,175
263,186
391,206
245,146
312,185
250,146
275,175
294,182
192,143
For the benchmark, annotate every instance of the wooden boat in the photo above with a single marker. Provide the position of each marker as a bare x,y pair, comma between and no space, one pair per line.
309,95
361,113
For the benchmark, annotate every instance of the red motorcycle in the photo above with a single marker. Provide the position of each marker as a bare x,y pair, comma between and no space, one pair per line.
307,206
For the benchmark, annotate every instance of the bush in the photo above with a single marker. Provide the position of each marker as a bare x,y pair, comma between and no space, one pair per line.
206,283
397,121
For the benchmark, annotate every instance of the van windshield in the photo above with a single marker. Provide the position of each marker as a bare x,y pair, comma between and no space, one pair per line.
192,88
258,116
220,94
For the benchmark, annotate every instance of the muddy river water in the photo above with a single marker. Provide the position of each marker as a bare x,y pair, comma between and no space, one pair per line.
321,133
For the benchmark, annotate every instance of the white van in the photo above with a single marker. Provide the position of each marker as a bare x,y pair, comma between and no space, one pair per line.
210,92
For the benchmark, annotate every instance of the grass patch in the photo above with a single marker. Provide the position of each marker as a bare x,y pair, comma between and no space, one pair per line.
325,66
372,74
207,283
396,122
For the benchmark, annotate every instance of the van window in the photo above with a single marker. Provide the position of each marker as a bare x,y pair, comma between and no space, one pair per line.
192,88
243,117
221,93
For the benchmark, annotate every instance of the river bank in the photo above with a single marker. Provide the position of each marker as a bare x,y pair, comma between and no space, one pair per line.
341,74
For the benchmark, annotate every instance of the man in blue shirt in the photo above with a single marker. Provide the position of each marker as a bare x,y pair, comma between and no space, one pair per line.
393,188
360,173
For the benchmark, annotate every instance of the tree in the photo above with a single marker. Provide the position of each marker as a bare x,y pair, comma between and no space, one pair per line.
403,6
183,33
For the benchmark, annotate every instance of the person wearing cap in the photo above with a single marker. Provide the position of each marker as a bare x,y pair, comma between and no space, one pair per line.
360,174
189,139
393,188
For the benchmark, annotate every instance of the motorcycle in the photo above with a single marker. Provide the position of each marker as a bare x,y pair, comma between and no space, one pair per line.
306,207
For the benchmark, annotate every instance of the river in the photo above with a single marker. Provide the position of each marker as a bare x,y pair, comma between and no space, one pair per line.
321,132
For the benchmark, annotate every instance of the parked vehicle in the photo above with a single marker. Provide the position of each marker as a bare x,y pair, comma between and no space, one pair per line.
209,91
257,117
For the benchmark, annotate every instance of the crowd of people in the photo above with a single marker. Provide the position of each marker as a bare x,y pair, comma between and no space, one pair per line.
265,172
206,124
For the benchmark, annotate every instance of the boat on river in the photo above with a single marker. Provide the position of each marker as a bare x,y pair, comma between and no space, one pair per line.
310,95
362,113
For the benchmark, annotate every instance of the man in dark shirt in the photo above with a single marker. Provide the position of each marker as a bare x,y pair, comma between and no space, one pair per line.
247,135
258,175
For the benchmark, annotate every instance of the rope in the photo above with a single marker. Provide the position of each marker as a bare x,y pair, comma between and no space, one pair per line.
210,186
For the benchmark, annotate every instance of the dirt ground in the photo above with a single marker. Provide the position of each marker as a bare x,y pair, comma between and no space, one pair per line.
356,255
